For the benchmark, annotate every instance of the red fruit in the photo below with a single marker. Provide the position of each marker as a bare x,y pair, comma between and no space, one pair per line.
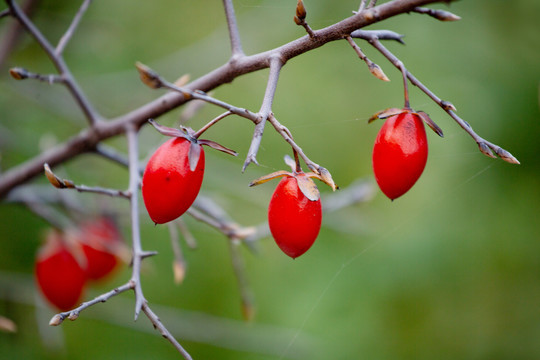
59,276
400,153
294,220
100,241
169,187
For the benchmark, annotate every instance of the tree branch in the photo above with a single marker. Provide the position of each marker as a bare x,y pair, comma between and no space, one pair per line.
87,140
234,35
134,179
91,114
71,30
266,108
484,146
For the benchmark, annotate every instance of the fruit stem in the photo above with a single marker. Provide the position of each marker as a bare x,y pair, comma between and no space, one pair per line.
297,161
212,122
405,86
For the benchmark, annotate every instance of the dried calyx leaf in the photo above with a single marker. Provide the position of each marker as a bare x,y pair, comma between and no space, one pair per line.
425,117
290,162
215,145
195,147
193,155
307,187
386,113
269,177
169,131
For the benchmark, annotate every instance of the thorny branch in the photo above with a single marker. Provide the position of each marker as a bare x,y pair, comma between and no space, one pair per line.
71,30
87,140
485,146
99,129
234,35
91,114
266,108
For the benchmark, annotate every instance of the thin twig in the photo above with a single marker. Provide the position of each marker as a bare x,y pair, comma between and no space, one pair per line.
60,183
300,18
74,314
5,13
362,6
266,108
87,140
211,123
21,74
158,325
71,30
91,114
285,133
373,68
13,33
134,179
179,263
111,154
234,35
485,146
189,239
239,268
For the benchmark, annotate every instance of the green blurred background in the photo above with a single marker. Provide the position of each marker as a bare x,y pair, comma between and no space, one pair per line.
449,271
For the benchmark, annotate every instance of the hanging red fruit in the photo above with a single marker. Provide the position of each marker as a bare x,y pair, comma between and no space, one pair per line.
400,151
294,220
58,271
102,244
295,212
174,174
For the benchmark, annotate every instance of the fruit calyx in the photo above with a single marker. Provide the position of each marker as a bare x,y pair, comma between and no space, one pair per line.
305,184
195,143
386,113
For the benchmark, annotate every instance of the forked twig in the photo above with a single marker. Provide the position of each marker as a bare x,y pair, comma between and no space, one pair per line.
486,147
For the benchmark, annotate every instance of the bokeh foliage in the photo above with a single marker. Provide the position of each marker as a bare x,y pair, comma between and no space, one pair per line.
451,270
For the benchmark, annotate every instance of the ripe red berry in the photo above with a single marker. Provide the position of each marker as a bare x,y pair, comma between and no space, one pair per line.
400,153
169,186
294,220
59,275
100,241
